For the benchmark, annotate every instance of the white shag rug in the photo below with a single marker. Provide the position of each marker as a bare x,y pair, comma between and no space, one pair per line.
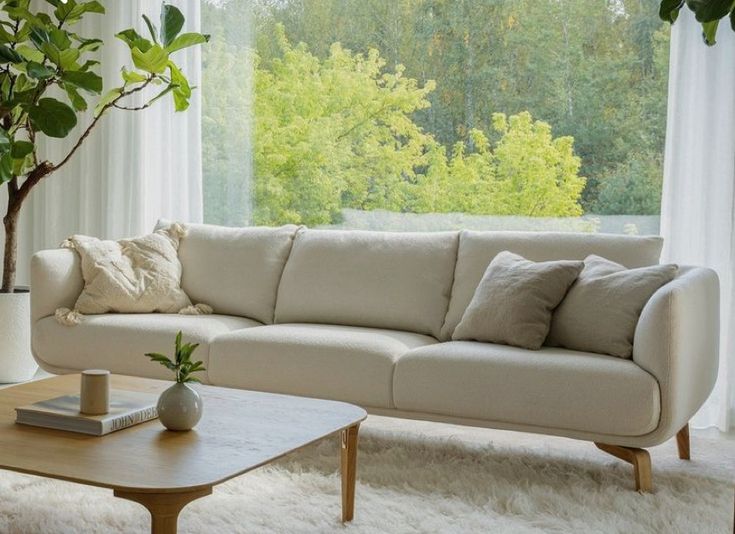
417,477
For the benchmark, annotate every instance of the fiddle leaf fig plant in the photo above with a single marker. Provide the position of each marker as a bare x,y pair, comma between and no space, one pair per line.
707,12
181,365
48,82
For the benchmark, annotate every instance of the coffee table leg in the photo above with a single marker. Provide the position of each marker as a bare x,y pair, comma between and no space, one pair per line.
349,471
164,507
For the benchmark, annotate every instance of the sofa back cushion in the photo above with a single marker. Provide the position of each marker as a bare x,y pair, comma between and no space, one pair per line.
235,270
477,250
400,281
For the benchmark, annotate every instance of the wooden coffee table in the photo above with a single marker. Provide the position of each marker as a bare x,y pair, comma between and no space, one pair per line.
163,470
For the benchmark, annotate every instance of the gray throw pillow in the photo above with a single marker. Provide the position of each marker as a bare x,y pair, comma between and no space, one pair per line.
601,310
513,303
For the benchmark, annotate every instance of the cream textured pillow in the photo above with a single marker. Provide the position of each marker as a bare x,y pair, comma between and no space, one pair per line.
601,310
513,303
139,275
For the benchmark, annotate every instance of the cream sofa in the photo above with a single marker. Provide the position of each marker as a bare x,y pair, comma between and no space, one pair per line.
367,317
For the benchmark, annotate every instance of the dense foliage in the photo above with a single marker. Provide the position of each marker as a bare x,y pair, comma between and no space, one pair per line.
344,137
550,107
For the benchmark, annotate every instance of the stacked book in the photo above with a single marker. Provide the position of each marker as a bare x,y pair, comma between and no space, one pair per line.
127,408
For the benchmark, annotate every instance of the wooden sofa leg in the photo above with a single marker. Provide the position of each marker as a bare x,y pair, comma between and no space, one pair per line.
682,442
638,458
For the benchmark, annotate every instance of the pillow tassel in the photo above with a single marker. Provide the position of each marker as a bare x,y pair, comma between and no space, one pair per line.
68,317
197,309
176,230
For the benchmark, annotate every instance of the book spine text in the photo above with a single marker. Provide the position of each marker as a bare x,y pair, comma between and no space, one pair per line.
130,419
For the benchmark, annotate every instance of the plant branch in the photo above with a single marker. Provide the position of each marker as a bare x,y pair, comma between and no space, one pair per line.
96,120
41,170
32,139
45,168
365,120
138,108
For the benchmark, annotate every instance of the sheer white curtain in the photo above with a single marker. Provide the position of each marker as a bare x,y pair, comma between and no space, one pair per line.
698,207
136,166
228,88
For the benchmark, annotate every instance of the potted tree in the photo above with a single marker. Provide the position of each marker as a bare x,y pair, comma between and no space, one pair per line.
47,75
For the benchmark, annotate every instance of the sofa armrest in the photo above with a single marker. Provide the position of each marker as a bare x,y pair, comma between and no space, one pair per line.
677,341
56,281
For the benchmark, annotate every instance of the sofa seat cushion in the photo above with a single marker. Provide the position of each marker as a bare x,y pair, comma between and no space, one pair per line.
118,342
352,364
551,388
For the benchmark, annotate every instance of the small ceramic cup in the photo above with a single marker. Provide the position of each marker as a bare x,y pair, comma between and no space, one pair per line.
94,398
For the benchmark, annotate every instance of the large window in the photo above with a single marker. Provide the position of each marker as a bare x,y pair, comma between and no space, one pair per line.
435,114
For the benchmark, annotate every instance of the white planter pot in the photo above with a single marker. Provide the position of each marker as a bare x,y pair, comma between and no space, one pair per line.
16,361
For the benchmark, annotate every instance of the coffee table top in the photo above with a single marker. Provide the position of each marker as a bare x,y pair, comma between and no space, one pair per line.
239,431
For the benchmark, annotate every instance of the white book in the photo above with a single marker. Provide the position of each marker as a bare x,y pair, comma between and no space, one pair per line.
127,408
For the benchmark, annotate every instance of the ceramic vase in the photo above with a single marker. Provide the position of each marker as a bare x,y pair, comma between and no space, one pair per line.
179,407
